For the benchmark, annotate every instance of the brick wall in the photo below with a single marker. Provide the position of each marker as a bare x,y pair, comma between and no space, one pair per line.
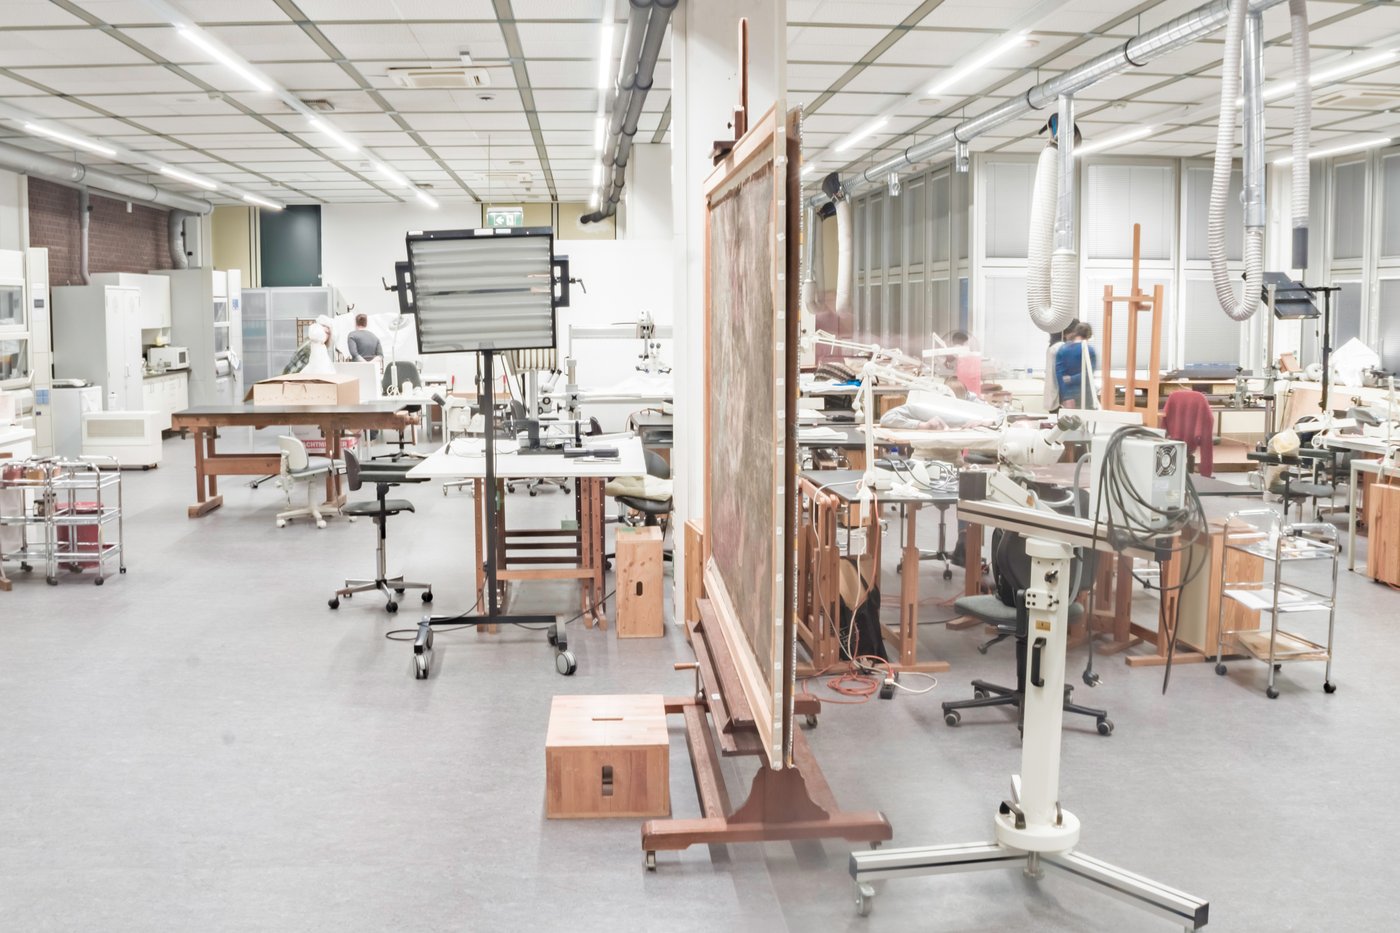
117,241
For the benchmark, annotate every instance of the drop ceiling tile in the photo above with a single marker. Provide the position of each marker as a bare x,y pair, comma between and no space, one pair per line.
562,40
57,108
582,100
416,41
132,12
333,10
349,123
136,79
186,125
562,9
554,73
21,47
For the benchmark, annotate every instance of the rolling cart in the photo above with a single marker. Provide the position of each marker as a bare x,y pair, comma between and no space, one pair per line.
1281,543
68,514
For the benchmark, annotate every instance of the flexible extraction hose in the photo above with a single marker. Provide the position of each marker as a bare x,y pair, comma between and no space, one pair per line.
1238,310
1052,275
845,259
1302,124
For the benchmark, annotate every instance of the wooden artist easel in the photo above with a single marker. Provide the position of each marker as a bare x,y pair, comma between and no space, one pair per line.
1137,301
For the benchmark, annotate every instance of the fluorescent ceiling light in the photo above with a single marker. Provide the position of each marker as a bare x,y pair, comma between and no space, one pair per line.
263,202
1013,41
325,129
186,177
70,139
1337,150
393,176
859,135
809,168
1346,69
598,133
427,198
1098,145
232,63
605,57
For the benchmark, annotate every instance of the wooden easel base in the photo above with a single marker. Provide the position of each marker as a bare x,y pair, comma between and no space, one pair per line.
788,804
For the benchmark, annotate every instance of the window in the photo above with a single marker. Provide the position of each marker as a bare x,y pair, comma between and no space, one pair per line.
1122,195
1348,211
1346,312
1209,335
1390,207
1196,213
1008,215
1388,342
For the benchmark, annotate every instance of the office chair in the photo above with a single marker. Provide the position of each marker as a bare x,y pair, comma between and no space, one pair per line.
395,375
456,422
1007,611
380,509
649,511
294,467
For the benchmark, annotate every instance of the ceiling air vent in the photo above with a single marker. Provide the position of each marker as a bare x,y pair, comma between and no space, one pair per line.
1354,99
454,77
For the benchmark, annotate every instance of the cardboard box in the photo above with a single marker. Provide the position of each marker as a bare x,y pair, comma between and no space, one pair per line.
303,389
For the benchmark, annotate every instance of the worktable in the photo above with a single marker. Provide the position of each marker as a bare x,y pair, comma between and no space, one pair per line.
204,422
1359,444
541,553
832,499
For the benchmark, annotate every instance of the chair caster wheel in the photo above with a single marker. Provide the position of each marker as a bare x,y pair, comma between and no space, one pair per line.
952,717
876,844
650,861
1105,727
551,637
391,607
427,596
400,590
979,694
565,664
281,523
421,661
947,575
865,899
981,649
1329,687
321,523
534,492
98,582
811,721
1271,693
333,602
1220,669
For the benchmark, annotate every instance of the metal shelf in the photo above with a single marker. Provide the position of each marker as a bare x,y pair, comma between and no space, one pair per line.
71,515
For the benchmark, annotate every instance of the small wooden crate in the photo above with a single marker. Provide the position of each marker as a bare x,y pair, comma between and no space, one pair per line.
1383,529
607,756
639,610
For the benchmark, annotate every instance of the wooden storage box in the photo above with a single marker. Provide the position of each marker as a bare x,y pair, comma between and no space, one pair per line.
1383,533
607,756
639,609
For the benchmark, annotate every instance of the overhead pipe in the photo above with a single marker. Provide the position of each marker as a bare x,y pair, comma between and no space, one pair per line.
1135,53
84,230
179,257
641,48
77,175
1302,127
1052,257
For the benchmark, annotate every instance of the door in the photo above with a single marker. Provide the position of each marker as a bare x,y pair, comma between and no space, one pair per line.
115,385
131,346
291,246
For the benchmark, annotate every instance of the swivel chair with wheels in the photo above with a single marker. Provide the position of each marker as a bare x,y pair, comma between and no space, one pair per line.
655,512
395,375
380,509
294,467
1007,611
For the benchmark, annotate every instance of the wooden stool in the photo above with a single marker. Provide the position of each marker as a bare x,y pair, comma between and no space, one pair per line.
639,611
607,756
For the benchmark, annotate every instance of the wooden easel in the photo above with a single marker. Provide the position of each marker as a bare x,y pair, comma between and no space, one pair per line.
1137,302
784,803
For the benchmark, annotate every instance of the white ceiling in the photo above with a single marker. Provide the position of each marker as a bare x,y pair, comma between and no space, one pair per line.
116,70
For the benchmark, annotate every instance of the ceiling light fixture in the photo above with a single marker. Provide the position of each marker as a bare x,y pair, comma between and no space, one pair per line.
1338,150
1013,41
337,137
189,179
263,202
228,60
1108,142
859,135
390,174
427,199
809,168
605,46
70,139
1336,73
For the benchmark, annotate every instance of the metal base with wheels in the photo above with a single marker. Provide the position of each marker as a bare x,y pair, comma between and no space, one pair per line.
869,867
391,587
564,660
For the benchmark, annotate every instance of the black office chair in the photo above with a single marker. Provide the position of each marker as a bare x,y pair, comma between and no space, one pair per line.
1302,476
380,508
1007,611
395,375
653,511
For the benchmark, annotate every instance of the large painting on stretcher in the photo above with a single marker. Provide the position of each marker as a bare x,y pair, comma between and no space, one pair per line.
748,575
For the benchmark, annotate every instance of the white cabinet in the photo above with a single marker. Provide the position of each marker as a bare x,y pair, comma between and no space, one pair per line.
97,337
155,295
165,395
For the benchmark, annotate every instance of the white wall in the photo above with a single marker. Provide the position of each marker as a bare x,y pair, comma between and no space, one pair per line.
361,242
14,209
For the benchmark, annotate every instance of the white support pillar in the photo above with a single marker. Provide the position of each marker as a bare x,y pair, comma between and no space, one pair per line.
705,90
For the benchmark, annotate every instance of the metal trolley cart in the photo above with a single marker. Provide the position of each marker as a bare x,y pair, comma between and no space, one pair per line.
1281,543
68,514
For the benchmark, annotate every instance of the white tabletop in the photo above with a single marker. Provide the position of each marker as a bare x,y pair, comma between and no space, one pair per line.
1357,442
466,461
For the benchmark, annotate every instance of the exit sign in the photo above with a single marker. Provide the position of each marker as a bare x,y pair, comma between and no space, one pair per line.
505,217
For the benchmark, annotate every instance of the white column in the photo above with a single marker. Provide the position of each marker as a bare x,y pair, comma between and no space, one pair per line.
647,195
705,90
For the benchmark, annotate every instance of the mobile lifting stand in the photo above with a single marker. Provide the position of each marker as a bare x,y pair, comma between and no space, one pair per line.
1032,830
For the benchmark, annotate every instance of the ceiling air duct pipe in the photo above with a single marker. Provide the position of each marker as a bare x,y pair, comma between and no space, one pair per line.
646,30
178,257
1052,260
1302,128
1135,53
1241,30
76,175
84,231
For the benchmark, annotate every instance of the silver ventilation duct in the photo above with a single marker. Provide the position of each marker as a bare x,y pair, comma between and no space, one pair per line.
76,175
179,256
84,232
641,47
1135,53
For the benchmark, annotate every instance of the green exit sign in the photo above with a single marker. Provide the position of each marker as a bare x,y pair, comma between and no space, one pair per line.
505,217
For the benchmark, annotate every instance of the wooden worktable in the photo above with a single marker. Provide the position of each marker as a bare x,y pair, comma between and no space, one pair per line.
204,422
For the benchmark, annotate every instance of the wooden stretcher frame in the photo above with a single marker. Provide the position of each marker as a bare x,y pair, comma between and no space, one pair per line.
768,683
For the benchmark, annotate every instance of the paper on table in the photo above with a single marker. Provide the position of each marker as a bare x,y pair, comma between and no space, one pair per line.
819,433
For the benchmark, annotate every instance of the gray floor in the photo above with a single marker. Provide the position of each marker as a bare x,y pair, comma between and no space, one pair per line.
203,745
